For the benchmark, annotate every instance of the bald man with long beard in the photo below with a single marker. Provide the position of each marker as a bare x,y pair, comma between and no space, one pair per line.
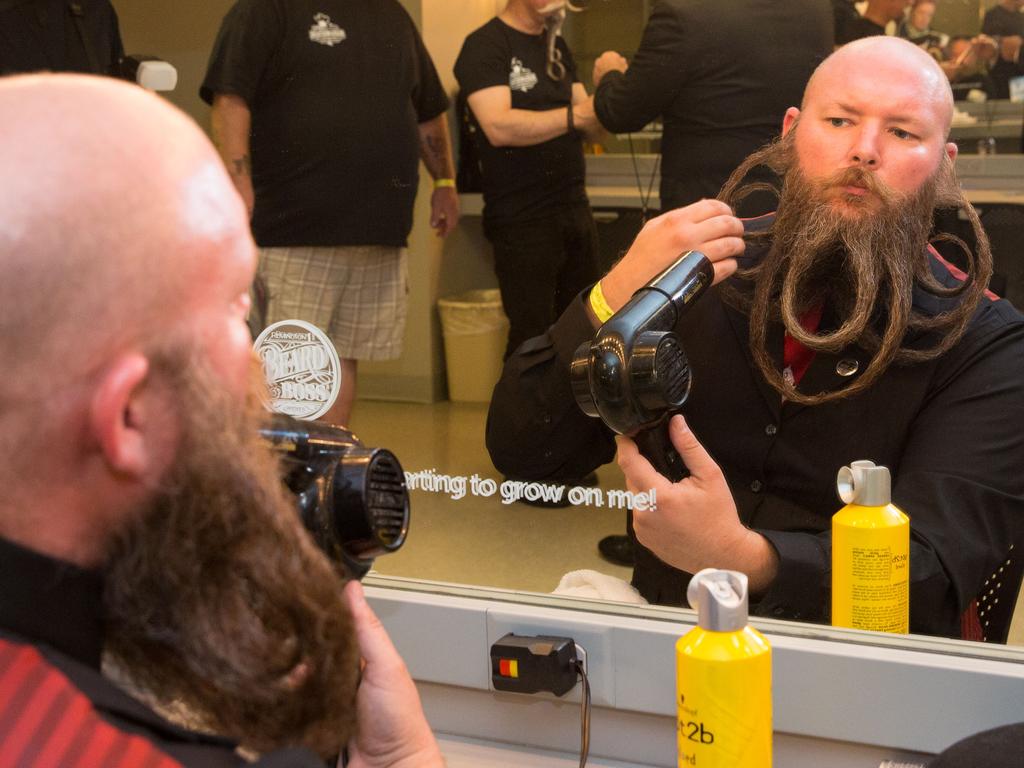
142,522
834,333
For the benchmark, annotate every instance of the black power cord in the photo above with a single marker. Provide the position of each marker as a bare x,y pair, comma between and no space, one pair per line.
645,197
584,715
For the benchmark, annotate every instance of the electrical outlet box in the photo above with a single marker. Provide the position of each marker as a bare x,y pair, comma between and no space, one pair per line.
534,664
593,646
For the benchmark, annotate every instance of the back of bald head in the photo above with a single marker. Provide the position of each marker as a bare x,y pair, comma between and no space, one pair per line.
890,59
111,200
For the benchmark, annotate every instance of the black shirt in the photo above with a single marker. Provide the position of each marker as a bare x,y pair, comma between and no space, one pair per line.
721,75
55,607
523,183
337,89
49,35
856,28
844,12
1001,22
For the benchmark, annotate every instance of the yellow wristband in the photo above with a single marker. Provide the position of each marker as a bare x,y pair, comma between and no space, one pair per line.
438,183
599,304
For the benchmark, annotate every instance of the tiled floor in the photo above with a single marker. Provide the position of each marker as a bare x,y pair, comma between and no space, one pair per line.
476,539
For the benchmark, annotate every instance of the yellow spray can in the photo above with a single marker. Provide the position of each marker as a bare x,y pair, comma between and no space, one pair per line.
870,553
723,679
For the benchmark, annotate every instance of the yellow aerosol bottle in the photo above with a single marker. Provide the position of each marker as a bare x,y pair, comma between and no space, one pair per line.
723,679
870,553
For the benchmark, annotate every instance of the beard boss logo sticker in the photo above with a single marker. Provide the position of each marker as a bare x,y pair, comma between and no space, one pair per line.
301,367
325,31
520,78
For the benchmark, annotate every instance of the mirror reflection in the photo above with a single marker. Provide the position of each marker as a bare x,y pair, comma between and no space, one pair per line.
500,540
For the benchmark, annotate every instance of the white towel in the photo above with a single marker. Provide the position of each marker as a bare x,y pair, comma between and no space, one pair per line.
587,583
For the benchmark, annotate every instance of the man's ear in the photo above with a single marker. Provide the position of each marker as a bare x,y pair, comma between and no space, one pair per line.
952,150
118,416
789,120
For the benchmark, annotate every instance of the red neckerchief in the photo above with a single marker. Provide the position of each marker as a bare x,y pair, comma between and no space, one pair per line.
45,720
795,356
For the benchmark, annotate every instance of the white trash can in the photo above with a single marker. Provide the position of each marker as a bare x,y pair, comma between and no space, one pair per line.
475,332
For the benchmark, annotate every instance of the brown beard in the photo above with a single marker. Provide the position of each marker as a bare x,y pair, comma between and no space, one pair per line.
217,600
862,266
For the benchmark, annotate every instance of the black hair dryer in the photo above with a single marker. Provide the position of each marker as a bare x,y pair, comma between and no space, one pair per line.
634,374
352,499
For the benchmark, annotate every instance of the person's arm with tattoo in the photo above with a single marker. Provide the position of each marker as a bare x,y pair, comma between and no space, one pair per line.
436,152
229,122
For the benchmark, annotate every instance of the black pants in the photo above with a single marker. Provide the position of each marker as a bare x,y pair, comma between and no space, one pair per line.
541,266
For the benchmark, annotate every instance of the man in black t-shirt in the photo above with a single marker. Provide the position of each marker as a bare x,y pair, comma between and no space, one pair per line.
1004,19
1006,23
321,111
58,36
522,93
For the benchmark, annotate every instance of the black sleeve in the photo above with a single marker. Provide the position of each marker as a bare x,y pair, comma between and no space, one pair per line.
116,52
1002,73
481,64
960,482
535,429
629,101
249,35
994,25
429,97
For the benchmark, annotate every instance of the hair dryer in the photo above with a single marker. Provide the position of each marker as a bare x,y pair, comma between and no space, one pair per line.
634,374
352,499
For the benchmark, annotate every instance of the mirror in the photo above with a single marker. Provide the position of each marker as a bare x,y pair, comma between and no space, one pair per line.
514,546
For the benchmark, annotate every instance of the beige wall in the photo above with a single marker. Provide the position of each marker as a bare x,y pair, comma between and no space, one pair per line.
960,17
183,34
180,32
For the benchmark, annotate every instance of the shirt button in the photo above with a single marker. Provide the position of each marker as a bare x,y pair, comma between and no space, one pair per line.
756,486
546,418
771,429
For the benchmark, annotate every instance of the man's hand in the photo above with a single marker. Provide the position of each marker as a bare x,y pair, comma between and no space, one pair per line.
436,153
609,61
695,524
444,210
708,226
391,729
985,49
1009,48
584,118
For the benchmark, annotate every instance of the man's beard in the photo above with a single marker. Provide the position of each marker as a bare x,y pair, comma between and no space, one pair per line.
217,601
862,265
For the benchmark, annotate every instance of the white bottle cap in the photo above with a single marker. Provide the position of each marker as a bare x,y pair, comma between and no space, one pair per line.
865,484
720,598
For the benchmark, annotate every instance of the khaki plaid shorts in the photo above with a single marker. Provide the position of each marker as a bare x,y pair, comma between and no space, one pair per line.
356,294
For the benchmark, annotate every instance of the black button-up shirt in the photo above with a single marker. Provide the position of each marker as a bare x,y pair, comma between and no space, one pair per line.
948,429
